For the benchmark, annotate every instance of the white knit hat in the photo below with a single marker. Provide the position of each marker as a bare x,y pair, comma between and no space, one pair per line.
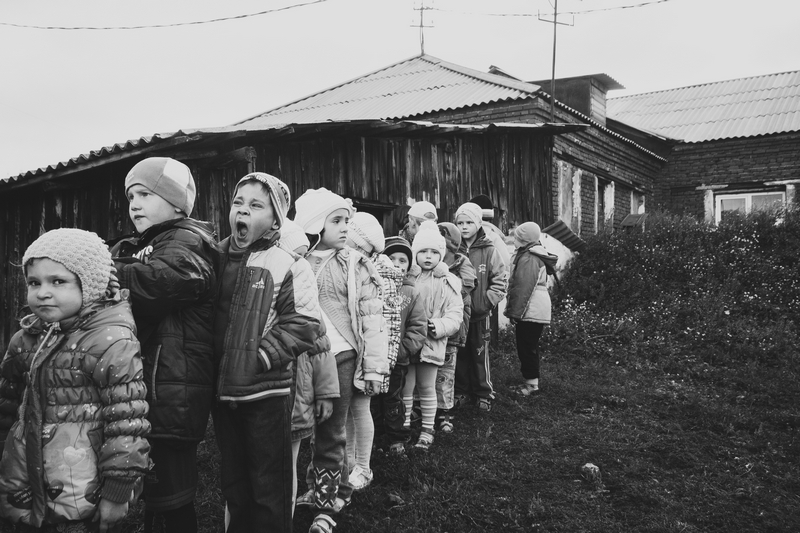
81,252
278,193
366,232
471,211
429,236
293,236
423,209
168,178
314,206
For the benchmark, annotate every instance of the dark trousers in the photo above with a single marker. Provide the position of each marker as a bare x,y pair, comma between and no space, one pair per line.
388,409
528,334
254,440
473,376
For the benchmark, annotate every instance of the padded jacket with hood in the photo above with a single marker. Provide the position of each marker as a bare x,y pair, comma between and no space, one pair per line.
492,276
83,429
440,294
169,270
528,297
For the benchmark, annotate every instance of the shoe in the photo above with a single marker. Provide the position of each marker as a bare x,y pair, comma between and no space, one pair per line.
425,440
461,400
322,524
446,424
359,478
484,405
397,449
305,500
529,390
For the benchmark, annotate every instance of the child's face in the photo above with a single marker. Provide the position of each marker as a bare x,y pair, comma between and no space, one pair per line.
251,214
54,293
400,260
428,258
146,208
334,233
466,226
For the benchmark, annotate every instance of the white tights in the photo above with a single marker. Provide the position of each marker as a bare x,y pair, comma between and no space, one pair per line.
423,377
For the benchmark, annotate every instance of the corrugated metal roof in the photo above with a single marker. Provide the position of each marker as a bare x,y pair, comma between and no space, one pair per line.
743,107
421,84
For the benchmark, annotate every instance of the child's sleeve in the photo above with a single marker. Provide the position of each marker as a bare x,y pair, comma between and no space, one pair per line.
453,315
375,362
12,386
416,329
498,279
178,274
123,457
298,315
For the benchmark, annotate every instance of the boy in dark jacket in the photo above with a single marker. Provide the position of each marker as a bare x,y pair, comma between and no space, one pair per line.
267,314
168,266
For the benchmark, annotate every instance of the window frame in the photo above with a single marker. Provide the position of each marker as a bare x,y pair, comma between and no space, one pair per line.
748,200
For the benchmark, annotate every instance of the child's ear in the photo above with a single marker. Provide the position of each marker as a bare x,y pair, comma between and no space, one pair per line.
276,225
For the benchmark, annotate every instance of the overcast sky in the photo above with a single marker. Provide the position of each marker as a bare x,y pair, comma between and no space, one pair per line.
66,92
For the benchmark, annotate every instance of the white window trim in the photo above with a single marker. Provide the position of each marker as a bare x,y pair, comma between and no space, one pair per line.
746,196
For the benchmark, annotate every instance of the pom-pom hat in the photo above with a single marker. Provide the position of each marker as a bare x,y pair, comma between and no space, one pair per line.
429,236
278,193
471,211
81,252
314,206
366,232
423,209
398,244
528,233
166,177
452,236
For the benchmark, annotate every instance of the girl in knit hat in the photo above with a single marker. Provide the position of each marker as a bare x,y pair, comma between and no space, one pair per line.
440,293
365,235
68,463
528,304
351,299
168,266
418,213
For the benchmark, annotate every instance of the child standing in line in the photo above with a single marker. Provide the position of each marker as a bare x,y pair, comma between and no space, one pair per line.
168,266
473,376
267,314
529,300
73,379
418,213
365,235
461,267
351,299
388,408
440,293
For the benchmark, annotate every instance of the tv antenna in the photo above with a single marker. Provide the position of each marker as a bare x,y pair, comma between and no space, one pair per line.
422,9
553,73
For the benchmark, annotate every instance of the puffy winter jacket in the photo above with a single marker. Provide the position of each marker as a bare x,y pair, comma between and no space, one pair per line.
440,294
392,281
414,323
83,432
169,270
274,317
528,298
492,276
463,270
315,379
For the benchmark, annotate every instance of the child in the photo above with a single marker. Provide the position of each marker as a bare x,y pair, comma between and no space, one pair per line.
417,214
316,385
77,452
528,299
168,266
388,407
440,293
351,298
461,267
365,235
267,314
473,376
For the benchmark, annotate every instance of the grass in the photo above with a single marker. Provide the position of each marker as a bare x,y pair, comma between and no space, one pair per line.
704,450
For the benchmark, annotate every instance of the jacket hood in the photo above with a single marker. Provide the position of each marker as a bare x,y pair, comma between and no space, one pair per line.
549,259
96,315
481,240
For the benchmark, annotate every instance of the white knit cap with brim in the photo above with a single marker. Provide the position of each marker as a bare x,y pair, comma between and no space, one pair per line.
293,236
168,178
278,193
314,206
81,252
429,236
423,209
366,232
471,211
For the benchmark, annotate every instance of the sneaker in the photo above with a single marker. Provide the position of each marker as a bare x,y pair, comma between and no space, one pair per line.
446,424
397,449
484,405
529,389
359,478
461,400
322,524
425,440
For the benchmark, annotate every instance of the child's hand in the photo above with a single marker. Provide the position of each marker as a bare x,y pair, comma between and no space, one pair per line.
110,514
323,409
431,329
372,387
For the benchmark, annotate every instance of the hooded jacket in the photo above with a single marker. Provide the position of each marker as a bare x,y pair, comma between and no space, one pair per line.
170,272
528,297
315,379
82,434
274,316
462,268
440,294
492,276
413,323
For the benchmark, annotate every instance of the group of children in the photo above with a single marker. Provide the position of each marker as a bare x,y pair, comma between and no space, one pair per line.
317,327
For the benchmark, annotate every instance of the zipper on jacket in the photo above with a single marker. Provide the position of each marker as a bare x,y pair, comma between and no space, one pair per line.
155,370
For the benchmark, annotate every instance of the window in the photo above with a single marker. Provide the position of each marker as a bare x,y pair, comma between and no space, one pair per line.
747,202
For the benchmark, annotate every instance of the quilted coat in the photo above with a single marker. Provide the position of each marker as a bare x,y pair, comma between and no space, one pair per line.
440,293
84,426
492,274
528,298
